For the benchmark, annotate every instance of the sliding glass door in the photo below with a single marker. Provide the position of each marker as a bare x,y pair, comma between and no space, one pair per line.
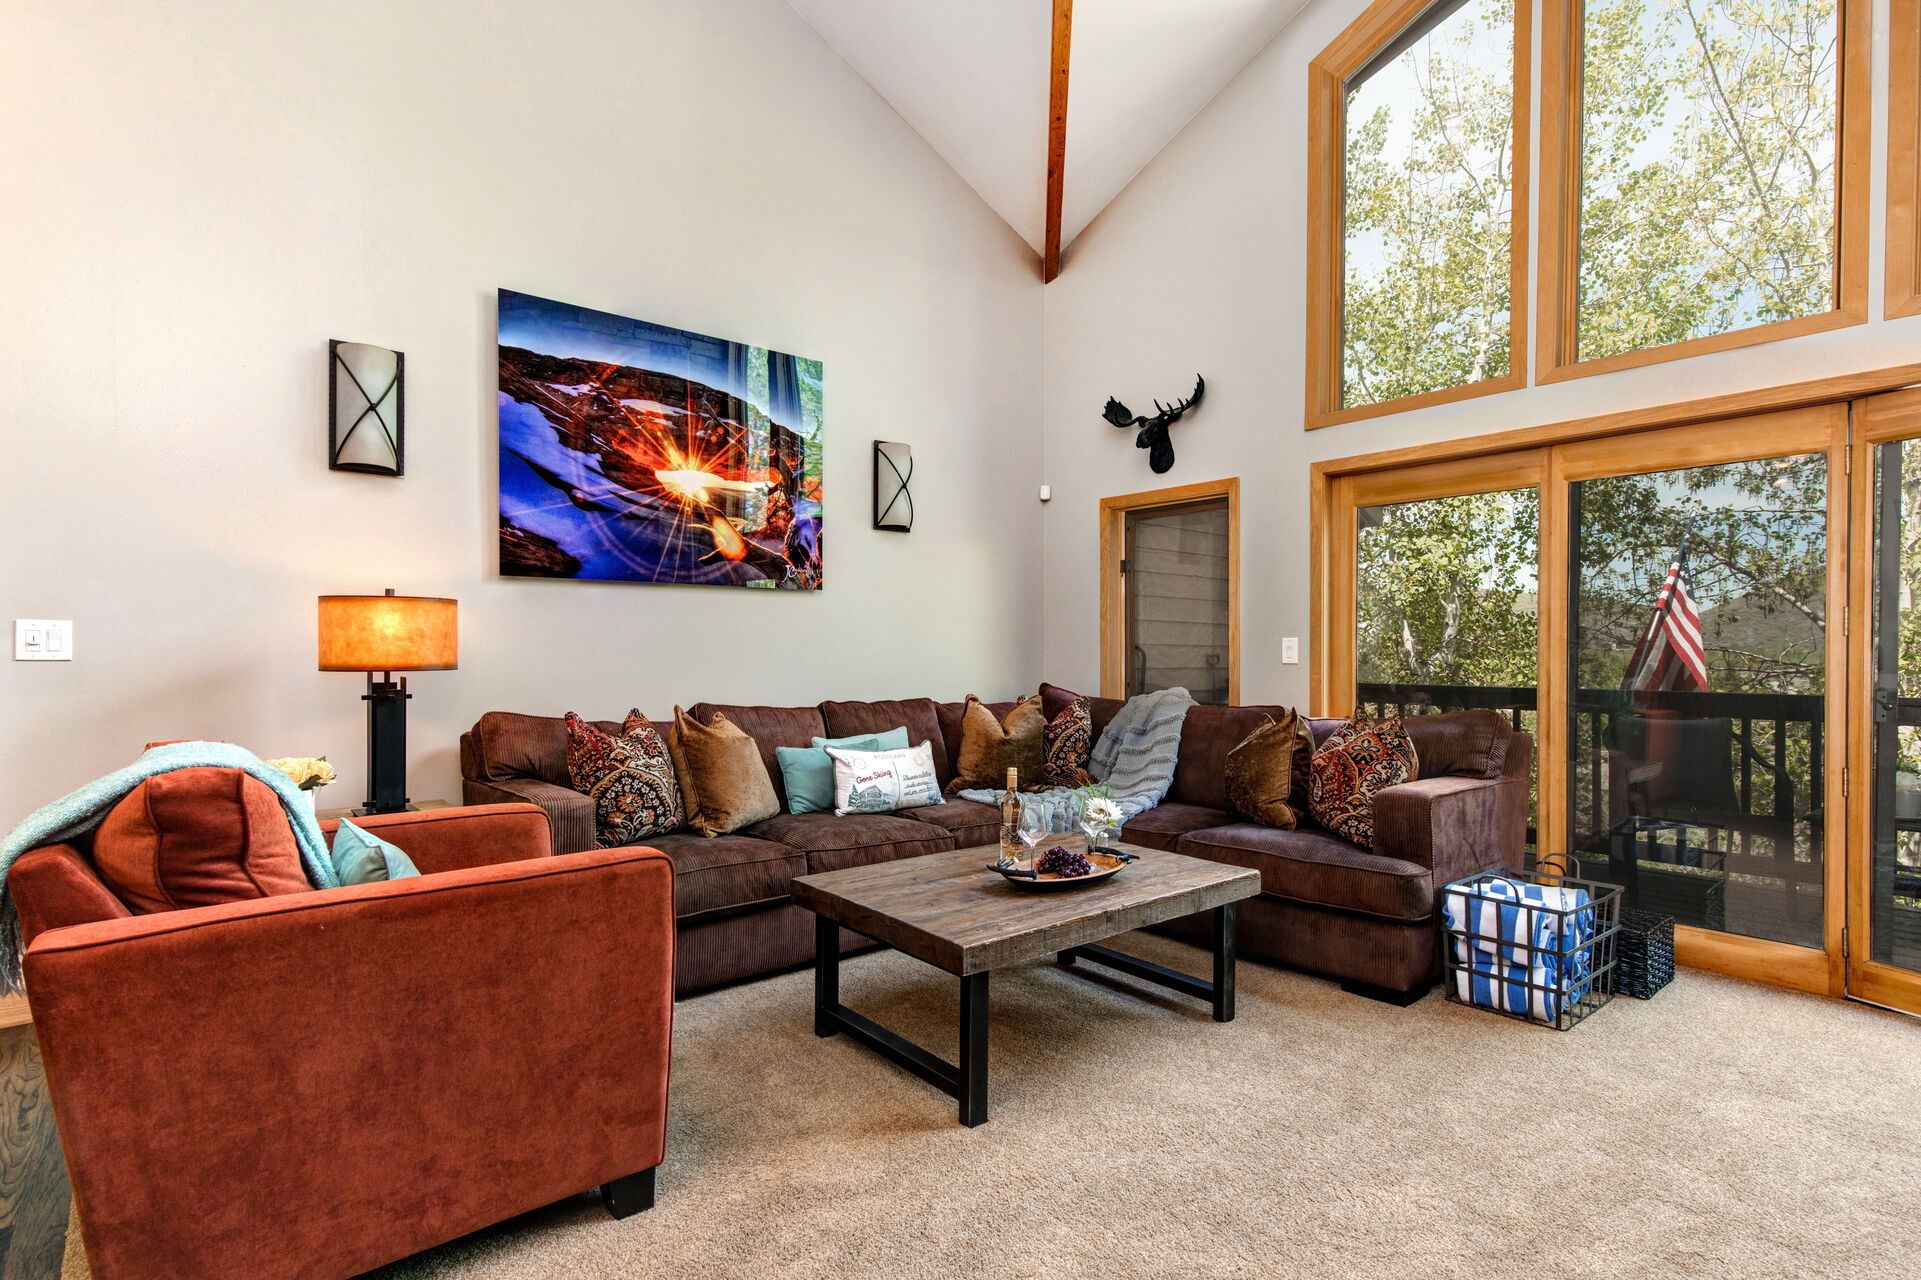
1658,609
1698,673
1884,764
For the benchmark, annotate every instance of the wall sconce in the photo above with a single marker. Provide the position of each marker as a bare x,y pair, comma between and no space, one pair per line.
893,504
364,386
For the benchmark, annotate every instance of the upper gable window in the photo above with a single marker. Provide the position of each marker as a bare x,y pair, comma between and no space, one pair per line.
1707,150
1425,247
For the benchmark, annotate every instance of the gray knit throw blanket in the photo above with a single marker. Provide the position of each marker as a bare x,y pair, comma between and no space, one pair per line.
1135,758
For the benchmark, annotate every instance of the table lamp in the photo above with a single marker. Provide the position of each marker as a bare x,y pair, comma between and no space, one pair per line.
386,634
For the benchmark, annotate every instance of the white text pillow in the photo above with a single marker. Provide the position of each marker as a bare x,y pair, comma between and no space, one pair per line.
883,781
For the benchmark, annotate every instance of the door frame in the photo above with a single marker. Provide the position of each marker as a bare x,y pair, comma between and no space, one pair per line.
1114,513
1878,420
1619,444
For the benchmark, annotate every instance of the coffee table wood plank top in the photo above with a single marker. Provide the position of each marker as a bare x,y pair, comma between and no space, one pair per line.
950,911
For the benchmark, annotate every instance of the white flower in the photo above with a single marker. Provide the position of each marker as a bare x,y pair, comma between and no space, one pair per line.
1104,811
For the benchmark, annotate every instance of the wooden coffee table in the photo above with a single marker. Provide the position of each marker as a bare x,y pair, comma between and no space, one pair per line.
949,910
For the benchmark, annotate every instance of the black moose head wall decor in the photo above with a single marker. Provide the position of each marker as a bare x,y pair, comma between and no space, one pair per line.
1153,436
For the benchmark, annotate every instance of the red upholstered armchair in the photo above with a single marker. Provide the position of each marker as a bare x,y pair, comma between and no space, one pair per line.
316,1084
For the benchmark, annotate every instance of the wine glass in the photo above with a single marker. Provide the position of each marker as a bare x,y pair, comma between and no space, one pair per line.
1034,828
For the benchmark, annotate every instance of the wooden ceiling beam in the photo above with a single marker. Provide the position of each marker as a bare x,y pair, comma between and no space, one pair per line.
1056,137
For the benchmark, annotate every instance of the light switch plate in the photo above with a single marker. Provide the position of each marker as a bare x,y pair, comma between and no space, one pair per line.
1290,649
42,640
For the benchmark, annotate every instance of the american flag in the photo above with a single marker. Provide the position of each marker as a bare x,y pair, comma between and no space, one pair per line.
1670,654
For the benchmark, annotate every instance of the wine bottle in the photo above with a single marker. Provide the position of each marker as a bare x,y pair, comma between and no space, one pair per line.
1011,820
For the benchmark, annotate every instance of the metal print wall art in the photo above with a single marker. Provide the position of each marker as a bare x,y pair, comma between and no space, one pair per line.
635,452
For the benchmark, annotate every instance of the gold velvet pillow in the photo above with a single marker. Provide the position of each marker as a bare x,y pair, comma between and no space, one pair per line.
1267,773
990,747
723,780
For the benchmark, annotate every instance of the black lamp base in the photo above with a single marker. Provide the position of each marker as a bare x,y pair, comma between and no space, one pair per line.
386,745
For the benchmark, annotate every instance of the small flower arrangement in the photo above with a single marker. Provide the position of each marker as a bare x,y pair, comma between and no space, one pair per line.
309,773
1100,812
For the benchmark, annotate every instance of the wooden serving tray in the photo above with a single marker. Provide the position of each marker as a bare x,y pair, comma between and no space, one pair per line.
1104,865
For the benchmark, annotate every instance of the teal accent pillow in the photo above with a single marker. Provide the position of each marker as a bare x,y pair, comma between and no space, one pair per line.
808,772
360,857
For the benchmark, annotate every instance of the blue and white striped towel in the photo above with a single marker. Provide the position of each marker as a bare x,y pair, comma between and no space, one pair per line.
1511,988
1519,924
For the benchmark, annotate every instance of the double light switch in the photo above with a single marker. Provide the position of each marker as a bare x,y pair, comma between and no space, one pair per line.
42,640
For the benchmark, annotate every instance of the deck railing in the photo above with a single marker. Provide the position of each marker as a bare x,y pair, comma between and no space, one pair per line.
1760,827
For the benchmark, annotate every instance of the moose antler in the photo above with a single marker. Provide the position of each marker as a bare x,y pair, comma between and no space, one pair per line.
1153,431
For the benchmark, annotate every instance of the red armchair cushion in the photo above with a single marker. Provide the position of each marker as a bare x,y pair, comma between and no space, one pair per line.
197,837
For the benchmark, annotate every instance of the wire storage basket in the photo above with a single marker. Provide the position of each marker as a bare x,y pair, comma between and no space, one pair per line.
1534,945
1644,954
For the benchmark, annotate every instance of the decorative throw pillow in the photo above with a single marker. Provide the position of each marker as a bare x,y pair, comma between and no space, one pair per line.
990,747
196,837
723,781
808,773
1267,774
630,778
361,857
1361,758
1070,740
883,781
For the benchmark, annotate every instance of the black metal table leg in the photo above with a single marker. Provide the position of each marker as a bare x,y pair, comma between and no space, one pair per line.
973,1050
826,976
1224,963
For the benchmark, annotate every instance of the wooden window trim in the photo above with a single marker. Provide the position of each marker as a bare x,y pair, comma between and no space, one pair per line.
1561,204
1114,513
1793,395
1349,52
1904,160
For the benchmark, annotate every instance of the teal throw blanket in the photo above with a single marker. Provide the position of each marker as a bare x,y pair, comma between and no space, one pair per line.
81,811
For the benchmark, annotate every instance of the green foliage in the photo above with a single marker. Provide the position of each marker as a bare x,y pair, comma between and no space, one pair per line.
1708,161
1757,562
1425,293
1445,591
1707,168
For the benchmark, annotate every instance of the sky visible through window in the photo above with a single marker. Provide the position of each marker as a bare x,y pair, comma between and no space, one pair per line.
1708,155
1427,201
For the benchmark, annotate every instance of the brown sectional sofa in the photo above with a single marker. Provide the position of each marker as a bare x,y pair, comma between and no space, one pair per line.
1363,916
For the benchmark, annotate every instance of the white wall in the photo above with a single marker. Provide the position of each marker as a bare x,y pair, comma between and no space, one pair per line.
1199,267
199,196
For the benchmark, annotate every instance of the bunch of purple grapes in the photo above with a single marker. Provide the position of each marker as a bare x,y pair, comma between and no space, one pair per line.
1063,862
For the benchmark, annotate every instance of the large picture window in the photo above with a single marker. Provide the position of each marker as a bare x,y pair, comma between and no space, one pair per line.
1711,185
1418,116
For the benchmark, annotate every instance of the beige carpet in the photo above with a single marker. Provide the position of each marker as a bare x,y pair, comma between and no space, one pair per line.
1722,1129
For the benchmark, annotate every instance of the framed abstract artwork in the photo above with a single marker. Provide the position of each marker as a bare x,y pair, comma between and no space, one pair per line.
635,452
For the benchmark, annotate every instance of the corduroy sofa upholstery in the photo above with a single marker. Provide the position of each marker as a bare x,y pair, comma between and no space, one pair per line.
1363,916
319,1083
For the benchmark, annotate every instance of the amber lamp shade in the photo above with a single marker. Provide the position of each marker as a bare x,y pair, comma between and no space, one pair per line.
388,633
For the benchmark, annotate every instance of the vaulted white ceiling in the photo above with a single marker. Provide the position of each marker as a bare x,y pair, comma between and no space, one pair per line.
971,76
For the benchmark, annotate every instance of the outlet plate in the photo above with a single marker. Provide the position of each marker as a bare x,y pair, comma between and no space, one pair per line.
42,640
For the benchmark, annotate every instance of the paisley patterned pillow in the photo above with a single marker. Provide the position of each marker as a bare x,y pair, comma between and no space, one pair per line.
1070,741
1360,758
631,779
